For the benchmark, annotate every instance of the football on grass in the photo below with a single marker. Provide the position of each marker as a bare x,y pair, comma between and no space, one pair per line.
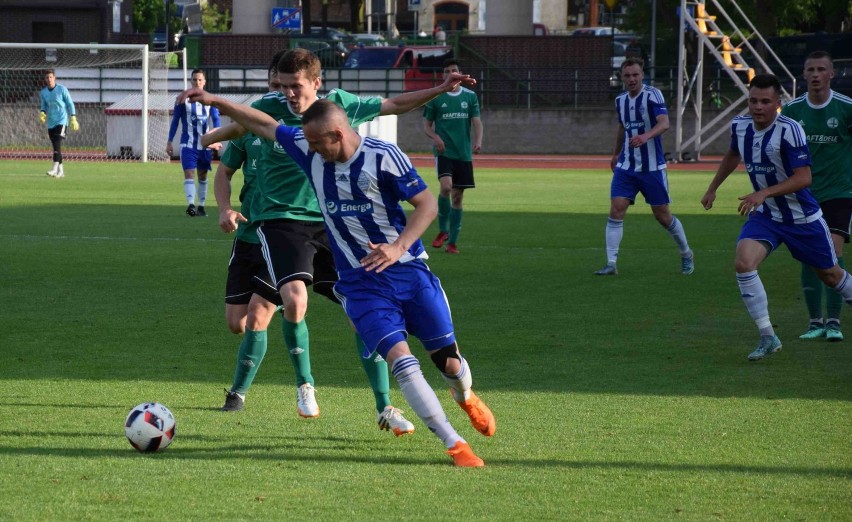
150,427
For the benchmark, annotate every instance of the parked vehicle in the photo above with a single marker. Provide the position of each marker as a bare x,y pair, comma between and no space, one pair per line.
366,40
328,44
596,31
329,33
423,64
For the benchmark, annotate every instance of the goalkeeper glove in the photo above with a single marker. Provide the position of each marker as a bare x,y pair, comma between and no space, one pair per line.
42,116
74,125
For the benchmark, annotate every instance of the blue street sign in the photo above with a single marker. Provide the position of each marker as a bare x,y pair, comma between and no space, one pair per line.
287,18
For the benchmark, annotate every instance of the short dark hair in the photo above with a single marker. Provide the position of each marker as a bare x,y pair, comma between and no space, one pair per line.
764,81
50,71
451,61
300,60
816,55
633,60
321,110
196,71
273,64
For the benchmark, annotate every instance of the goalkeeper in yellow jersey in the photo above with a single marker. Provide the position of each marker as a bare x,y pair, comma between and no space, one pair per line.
58,113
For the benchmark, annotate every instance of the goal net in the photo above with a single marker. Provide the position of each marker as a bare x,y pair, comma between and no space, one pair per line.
123,96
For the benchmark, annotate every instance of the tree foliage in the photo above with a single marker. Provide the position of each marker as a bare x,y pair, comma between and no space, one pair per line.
216,17
150,15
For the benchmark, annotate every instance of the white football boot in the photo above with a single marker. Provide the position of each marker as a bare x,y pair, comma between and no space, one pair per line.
306,403
391,419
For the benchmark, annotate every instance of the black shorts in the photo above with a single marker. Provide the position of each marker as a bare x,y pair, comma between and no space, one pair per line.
837,214
298,251
56,132
461,171
247,275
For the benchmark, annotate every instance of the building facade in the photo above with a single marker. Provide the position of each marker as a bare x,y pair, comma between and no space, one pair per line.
67,21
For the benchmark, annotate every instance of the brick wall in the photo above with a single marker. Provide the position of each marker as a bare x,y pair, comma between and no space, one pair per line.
242,49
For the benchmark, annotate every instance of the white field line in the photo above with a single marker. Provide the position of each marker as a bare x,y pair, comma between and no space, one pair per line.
230,240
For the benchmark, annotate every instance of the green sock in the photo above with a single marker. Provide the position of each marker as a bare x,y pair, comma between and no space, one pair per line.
252,350
443,213
812,289
376,369
833,300
455,224
297,341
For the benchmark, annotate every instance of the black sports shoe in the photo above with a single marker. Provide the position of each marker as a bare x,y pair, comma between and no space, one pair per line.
190,210
233,401
201,212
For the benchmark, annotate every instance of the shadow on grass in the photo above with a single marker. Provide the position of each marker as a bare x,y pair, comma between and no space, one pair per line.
280,450
107,292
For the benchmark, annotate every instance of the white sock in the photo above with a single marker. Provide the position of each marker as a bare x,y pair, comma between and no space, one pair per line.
422,399
189,190
757,304
61,170
679,236
460,383
614,233
55,167
844,288
202,192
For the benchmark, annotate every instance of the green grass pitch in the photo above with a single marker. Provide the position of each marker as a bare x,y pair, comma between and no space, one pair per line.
620,398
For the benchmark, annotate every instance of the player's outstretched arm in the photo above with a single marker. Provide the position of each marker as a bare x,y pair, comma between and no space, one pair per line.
251,119
476,125
228,217
228,132
661,126
411,100
801,178
728,164
384,255
619,145
437,142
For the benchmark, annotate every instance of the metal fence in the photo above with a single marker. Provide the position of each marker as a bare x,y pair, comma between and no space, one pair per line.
520,88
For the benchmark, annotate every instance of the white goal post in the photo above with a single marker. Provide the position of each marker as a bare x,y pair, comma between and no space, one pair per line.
123,95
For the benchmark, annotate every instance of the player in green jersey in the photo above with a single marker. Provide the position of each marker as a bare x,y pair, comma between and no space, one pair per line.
453,115
286,210
250,296
826,116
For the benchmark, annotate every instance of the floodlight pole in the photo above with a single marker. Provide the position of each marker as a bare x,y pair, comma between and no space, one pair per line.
653,59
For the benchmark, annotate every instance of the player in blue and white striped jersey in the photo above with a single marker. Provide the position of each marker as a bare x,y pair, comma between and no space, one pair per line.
195,120
780,210
385,287
355,217
638,165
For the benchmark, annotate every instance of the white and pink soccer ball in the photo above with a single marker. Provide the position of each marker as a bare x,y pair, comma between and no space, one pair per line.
150,427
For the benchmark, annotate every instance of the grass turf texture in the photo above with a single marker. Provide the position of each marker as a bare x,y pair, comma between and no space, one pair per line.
624,397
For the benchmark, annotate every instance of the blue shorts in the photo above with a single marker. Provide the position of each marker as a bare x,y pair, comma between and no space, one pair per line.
810,243
653,185
404,298
191,159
